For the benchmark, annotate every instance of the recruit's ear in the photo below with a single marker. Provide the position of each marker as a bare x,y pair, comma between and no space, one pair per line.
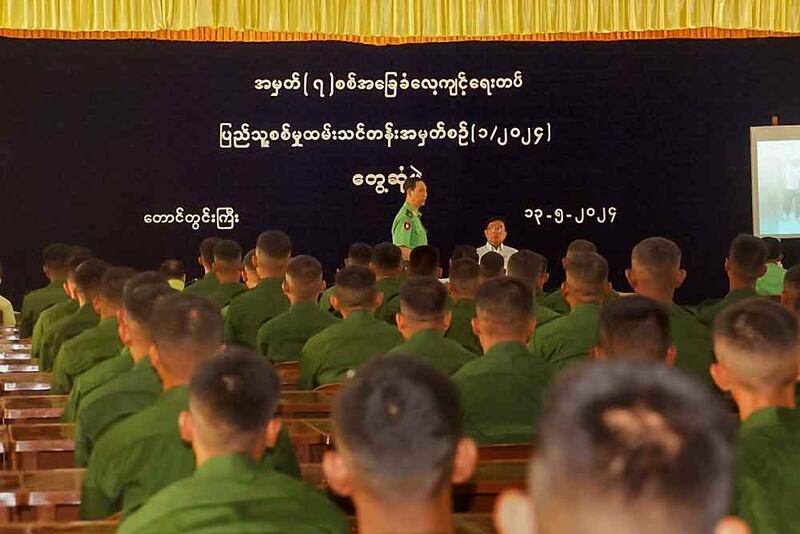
378,299
476,326
185,426
400,320
285,287
530,329
680,278
337,473
721,376
335,302
447,320
465,460
272,431
514,513
631,278
96,304
672,355
731,525
123,329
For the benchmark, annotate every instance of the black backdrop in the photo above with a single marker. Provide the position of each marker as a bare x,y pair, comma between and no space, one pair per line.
94,135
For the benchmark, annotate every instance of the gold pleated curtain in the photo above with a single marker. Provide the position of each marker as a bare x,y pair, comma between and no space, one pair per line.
398,21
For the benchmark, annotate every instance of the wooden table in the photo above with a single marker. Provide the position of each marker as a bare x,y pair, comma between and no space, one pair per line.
305,404
33,409
309,442
15,357
40,495
20,366
24,383
43,446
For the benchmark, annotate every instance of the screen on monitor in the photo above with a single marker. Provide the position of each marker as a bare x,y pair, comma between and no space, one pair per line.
776,180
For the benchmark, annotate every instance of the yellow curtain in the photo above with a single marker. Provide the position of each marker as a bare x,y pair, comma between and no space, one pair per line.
397,21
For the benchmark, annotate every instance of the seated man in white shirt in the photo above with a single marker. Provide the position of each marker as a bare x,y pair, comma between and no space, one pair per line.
6,309
496,235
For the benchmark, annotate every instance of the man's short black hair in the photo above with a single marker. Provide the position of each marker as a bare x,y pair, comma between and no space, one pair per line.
638,440
89,275
186,328
355,287
490,220
587,274
774,248
762,338
747,256
400,419
79,251
492,265
505,302
140,294
56,256
581,245
659,256
359,254
635,327
207,249
238,390
172,269
424,261
528,266
274,244
247,261
387,257
464,251
411,183
305,275
423,299
113,283
228,251
464,275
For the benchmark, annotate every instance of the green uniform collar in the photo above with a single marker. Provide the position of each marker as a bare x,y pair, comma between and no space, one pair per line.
584,309
505,347
414,211
742,293
426,334
178,395
272,281
237,465
304,306
359,316
769,416
58,282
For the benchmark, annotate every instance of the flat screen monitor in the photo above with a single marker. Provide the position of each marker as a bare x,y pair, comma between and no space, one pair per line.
775,160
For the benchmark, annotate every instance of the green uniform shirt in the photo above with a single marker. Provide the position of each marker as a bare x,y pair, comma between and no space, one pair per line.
249,310
65,329
768,471
37,301
707,314
325,303
431,346
460,329
281,339
407,228
390,287
232,493
176,284
555,301
544,315
141,455
502,393
772,282
112,402
329,356
568,339
94,378
693,342
83,352
204,285
47,319
223,293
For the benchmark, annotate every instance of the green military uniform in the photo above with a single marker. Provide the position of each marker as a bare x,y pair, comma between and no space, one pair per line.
390,287
203,286
544,315
461,326
568,339
47,319
65,329
325,303
707,314
176,284
141,455
223,293
502,393
555,301
232,493
431,346
92,379
331,355
768,471
693,342
407,228
249,310
112,402
83,352
772,281
37,301
281,339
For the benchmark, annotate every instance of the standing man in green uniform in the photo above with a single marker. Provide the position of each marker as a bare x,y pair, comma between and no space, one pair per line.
357,254
84,284
423,319
502,392
138,298
281,339
228,269
387,264
335,353
745,264
230,422
627,448
407,228
96,344
656,273
139,456
208,282
249,310
756,343
571,338
531,268
635,327
400,447
56,261
772,282
463,284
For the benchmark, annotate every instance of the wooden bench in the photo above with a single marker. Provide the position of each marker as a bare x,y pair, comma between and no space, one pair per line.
19,366
75,527
289,375
40,495
33,409
24,383
305,404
